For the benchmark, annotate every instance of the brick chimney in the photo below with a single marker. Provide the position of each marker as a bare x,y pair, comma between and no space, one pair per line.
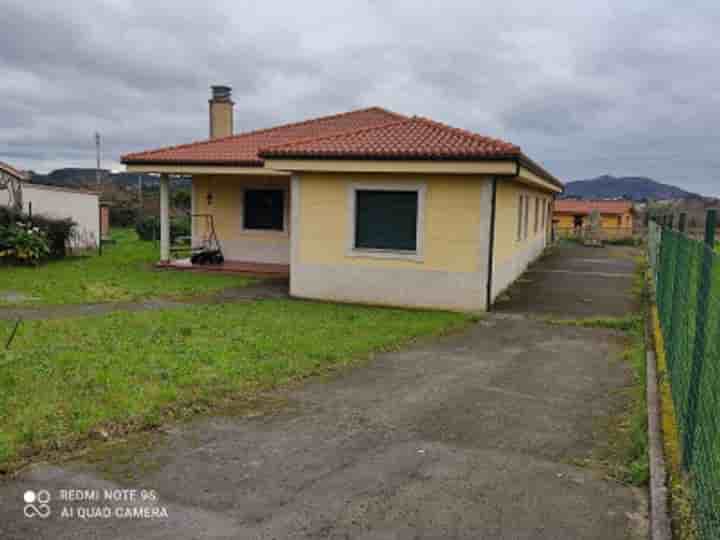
221,112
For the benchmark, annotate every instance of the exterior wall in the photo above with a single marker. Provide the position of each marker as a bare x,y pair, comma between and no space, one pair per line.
227,210
512,256
450,272
607,221
56,202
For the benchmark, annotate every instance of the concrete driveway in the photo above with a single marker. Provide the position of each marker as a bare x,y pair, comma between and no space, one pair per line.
470,436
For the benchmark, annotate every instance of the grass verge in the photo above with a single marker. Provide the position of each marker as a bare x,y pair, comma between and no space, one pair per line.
66,381
124,272
681,513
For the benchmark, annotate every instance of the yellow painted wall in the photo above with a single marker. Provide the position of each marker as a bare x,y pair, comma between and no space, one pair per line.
226,209
607,221
451,225
506,225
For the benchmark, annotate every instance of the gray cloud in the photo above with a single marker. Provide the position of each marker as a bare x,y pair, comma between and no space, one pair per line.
585,88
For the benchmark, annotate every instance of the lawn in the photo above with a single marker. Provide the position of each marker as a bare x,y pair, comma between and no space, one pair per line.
64,380
123,272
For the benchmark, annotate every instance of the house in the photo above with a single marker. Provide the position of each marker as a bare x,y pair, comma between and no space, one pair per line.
367,206
82,206
572,216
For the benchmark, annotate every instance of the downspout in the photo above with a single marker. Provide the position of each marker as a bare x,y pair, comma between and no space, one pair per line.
491,247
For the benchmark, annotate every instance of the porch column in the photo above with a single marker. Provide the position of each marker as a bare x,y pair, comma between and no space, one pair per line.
164,218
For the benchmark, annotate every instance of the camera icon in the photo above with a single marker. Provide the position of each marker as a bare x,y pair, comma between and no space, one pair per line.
37,504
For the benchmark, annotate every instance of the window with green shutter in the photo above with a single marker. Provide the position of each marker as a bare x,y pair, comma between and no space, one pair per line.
386,220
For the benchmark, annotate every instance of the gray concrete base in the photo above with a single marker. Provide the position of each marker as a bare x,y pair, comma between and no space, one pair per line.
405,287
504,274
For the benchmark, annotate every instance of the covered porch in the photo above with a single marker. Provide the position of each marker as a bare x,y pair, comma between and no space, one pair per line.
246,213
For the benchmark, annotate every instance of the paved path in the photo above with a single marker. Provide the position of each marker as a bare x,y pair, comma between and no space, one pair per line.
470,436
268,288
576,281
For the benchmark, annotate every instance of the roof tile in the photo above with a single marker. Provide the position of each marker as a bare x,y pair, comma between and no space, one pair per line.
407,138
585,207
242,149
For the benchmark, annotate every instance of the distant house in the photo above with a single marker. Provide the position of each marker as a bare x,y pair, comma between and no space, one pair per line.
365,206
82,206
572,216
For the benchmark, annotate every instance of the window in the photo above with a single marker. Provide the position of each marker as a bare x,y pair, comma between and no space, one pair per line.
386,220
619,221
520,218
527,215
537,215
264,209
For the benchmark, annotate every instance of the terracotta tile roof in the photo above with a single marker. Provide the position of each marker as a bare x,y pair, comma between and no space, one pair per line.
242,149
585,207
12,171
407,138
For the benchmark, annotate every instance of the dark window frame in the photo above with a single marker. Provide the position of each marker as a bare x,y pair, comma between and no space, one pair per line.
283,216
357,249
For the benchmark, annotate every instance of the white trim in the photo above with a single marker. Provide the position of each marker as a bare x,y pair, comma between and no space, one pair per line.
416,255
286,209
505,167
294,219
203,169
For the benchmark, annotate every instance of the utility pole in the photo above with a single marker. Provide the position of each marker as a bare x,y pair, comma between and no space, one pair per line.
97,156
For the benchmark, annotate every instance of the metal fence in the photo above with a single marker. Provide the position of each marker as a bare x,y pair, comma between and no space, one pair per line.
687,280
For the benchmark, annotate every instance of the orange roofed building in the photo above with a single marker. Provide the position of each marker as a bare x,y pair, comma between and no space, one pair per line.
571,216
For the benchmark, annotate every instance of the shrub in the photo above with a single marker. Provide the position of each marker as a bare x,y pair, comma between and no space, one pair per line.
149,228
50,239
123,216
23,243
58,231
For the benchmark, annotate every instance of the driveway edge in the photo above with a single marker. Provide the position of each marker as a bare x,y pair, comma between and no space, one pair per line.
659,518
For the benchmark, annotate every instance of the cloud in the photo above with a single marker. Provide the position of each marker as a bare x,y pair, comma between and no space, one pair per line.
586,89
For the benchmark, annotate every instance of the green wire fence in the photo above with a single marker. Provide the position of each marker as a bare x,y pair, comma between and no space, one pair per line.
687,281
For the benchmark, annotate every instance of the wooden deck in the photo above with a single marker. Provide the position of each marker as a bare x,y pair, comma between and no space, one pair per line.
231,267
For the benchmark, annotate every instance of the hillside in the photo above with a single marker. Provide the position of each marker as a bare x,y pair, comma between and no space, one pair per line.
635,188
86,178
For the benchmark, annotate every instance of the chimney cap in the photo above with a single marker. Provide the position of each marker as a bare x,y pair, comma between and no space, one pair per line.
221,93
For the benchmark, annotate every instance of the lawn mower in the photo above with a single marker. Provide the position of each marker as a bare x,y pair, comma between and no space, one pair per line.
208,249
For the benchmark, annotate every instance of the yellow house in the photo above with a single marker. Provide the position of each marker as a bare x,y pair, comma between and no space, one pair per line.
368,206
571,216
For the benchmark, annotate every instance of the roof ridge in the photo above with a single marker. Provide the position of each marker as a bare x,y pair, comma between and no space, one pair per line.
263,130
339,135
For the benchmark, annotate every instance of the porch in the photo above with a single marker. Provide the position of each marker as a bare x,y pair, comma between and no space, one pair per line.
265,270
246,215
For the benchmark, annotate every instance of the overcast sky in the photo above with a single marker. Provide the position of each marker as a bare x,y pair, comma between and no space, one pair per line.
585,88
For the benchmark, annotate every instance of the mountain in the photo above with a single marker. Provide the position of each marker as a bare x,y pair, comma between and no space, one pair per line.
636,188
86,178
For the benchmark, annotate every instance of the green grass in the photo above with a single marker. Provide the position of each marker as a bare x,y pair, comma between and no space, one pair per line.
124,272
64,380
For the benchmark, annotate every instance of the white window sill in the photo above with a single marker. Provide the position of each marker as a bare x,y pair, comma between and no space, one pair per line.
385,254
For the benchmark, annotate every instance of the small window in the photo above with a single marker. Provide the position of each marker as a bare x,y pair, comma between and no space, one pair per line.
386,220
264,209
520,218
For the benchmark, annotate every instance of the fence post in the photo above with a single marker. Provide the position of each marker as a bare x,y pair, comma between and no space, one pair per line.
700,338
